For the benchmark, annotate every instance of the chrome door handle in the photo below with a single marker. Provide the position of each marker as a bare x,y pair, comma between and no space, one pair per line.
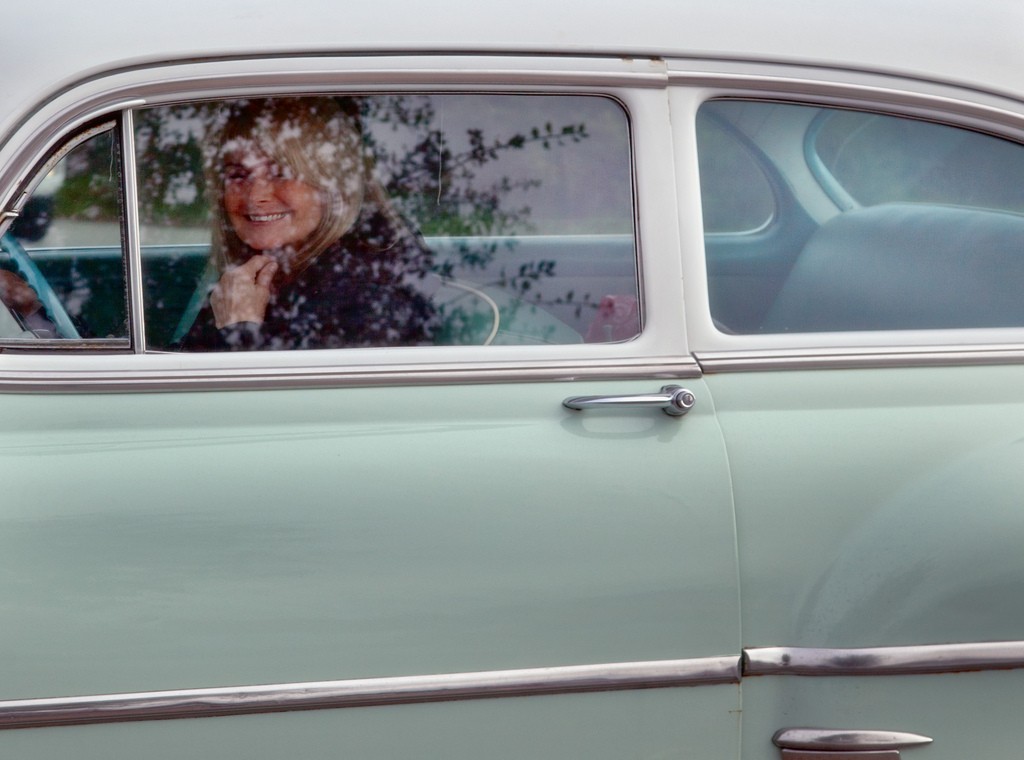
828,743
674,400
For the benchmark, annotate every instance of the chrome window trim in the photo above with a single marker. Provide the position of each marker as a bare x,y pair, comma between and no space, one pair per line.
37,176
248,700
633,83
128,377
41,141
131,234
837,85
65,345
890,100
107,92
884,661
694,82
882,357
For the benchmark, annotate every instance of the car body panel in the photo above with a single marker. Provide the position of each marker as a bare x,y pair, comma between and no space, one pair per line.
276,537
891,535
876,474
424,550
341,537
902,529
960,712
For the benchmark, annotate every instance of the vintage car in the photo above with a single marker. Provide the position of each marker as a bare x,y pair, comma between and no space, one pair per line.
713,446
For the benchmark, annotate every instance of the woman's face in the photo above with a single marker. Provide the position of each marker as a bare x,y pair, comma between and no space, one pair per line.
269,208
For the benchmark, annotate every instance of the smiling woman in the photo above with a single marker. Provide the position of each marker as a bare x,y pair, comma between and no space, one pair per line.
307,248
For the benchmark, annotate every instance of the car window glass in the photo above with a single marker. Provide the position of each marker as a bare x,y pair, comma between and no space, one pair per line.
391,220
883,159
927,232
737,196
61,267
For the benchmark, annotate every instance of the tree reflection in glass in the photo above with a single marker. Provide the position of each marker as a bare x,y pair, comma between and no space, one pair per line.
518,228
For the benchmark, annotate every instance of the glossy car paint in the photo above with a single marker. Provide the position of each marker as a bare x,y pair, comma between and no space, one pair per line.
903,526
188,539
290,536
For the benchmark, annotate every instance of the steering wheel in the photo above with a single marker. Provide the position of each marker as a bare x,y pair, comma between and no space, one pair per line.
44,291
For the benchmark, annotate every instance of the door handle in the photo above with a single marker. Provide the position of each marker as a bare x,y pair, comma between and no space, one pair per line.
674,400
842,744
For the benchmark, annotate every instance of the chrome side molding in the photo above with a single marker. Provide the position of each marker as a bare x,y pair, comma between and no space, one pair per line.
796,743
883,661
247,700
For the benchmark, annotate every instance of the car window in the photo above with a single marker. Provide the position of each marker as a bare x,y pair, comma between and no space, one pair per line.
389,220
738,196
62,268
926,231
875,158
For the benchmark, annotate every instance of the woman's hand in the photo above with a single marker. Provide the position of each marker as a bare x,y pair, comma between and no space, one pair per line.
243,292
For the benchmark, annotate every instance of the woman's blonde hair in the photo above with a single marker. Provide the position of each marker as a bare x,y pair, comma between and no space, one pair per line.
312,139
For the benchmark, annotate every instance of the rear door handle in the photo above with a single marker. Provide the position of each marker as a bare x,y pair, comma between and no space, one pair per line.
674,400
831,743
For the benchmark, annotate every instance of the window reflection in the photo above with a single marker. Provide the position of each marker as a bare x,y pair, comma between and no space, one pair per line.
62,264
295,223
925,230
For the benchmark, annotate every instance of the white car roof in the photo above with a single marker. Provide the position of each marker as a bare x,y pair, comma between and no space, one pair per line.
978,43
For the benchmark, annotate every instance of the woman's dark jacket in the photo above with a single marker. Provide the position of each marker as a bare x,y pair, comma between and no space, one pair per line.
364,290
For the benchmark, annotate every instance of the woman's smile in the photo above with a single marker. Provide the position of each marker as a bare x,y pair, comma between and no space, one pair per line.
265,218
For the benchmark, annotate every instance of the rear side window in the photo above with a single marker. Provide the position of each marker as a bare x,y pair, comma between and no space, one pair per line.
390,220
875,159
738,196
926,232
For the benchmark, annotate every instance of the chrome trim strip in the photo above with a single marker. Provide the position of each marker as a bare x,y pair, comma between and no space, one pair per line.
125,379
839,739
131,234
495,75
873,358
367,692
884,661
38,143
83,345
247,700
250,74
892,94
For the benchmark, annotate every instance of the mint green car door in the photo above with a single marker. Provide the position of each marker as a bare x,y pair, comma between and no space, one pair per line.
383,551
287,538
870,403
881,578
